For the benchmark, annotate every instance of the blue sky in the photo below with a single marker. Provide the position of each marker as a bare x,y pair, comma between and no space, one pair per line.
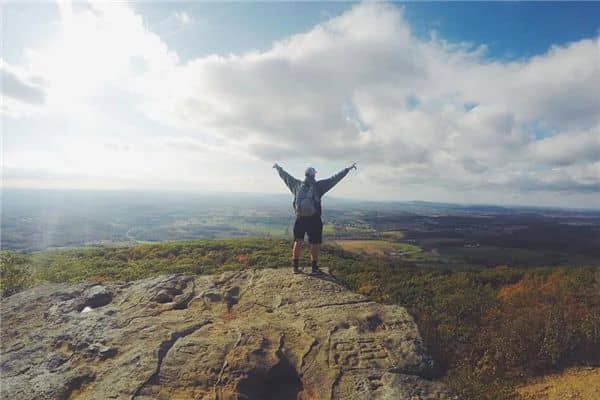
467,102
509,29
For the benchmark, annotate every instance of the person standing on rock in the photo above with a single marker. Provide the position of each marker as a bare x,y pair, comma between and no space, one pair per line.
307,205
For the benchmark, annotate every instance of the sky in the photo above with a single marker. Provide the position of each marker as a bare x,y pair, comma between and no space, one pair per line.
491,103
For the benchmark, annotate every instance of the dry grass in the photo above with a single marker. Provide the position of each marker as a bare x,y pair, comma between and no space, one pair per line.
572,384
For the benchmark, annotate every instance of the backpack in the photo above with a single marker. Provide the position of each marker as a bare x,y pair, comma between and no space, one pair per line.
305,203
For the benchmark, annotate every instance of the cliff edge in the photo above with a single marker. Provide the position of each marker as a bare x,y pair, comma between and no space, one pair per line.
254,334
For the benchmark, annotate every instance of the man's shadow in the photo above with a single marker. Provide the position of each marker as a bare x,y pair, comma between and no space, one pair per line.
326,275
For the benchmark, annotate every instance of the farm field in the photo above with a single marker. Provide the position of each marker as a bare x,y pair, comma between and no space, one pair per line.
378,247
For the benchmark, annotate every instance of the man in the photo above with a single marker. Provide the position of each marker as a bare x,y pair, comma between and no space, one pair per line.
307,205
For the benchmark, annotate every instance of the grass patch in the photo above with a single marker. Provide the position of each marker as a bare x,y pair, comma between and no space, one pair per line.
329,229
124,263
392,235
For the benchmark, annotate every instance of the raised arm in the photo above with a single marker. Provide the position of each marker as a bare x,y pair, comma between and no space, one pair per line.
326,184
291,182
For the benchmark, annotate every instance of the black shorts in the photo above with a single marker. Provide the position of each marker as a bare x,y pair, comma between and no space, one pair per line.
313,226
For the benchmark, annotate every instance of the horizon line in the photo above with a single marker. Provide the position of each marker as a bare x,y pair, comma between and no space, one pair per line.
344,198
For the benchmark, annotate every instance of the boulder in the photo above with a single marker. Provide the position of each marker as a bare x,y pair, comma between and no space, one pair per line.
254,334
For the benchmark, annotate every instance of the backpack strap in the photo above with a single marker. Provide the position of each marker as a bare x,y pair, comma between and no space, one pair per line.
315,189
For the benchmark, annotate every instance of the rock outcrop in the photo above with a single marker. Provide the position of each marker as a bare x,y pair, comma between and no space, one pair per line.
260,334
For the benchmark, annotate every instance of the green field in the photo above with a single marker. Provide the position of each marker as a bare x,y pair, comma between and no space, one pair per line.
377,247
393,235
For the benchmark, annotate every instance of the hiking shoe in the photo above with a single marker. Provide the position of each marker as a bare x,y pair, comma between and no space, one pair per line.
296,266
316,270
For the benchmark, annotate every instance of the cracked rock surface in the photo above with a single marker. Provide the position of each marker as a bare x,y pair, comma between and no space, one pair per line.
255,334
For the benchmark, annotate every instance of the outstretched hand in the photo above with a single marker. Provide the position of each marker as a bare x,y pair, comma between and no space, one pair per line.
275,165
353,166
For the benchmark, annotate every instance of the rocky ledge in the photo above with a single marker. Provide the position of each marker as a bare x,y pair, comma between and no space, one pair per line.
255,334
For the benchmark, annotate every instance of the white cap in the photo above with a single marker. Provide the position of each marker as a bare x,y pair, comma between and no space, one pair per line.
310,171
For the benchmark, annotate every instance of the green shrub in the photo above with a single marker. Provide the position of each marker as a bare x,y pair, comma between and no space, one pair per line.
15,275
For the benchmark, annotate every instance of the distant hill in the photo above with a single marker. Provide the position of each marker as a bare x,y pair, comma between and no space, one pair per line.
40,219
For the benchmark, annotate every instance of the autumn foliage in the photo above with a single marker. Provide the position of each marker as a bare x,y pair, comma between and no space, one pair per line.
491,328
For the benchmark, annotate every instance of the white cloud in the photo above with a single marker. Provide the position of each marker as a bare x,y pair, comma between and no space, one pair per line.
17,85
21,93
100,47
568,148
194,145
290,102
357,87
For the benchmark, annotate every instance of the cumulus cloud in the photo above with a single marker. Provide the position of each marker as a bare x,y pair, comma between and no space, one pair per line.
360,87
99,51
568,148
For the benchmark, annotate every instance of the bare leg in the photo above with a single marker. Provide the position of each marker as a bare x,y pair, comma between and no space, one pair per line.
297,249
314,252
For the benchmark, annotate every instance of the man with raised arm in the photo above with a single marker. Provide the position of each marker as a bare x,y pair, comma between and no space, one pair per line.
307,205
